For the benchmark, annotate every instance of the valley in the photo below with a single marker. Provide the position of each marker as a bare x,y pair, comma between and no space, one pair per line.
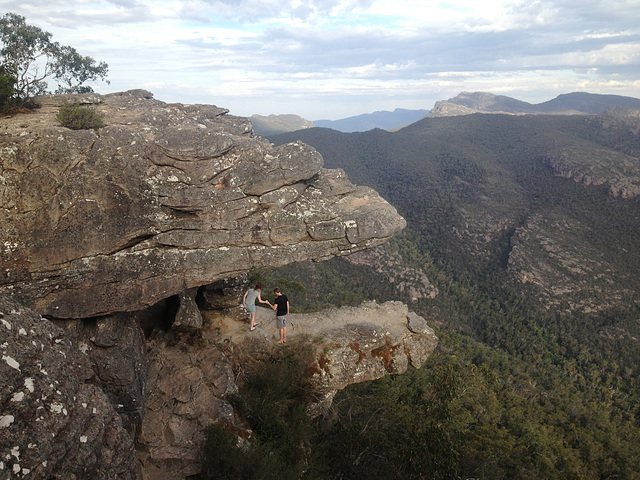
526,227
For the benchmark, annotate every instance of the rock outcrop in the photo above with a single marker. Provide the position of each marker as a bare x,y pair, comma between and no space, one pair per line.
570,274
407,279
55,423
164,198
130,240
191,376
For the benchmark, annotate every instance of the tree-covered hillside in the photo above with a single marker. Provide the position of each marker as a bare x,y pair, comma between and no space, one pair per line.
528,228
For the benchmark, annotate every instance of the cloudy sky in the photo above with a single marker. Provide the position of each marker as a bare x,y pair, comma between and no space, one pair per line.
330,59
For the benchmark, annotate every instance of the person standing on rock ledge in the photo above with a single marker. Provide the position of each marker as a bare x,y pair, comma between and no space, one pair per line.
281,306
249,302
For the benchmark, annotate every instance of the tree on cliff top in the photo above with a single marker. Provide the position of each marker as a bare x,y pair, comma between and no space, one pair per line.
30,57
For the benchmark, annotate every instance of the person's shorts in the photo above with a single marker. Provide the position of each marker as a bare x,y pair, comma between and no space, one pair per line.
281,322
251,308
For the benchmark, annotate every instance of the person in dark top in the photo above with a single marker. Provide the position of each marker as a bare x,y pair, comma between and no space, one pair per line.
281,306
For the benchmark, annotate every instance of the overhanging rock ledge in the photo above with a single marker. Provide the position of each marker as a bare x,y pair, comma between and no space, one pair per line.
164,198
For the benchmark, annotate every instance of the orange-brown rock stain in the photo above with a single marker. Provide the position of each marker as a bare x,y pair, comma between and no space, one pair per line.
386,354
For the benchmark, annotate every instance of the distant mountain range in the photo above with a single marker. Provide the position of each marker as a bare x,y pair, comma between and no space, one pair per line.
465,103
383,119
570,103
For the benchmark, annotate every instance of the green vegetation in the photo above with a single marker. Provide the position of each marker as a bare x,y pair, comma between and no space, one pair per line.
77,117
524,384
274,396
29,58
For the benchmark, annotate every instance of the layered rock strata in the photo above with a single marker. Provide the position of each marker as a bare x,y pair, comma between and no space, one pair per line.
135,229
164,198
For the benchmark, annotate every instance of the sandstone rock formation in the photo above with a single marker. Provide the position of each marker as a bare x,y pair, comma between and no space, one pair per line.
132,239
164,198
572,275
54,423
591,165
406,278
191,377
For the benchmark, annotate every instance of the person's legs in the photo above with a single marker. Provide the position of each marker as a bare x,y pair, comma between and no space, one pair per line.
282,327
252,311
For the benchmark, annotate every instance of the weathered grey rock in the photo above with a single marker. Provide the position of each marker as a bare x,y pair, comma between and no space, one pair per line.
117,350
407,279
226,293
570,274
191,378
164,198
353,344
189,381
366,342
53,424
188,316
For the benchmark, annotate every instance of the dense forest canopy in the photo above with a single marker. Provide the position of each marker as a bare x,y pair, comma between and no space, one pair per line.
538,310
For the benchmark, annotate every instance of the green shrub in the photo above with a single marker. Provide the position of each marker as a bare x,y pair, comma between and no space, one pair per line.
274,396
7,91
77,117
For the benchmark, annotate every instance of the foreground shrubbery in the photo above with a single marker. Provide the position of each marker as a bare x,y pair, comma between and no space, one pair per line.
77,117
274,396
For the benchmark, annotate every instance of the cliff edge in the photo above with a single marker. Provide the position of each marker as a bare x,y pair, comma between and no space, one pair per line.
124,253
163,198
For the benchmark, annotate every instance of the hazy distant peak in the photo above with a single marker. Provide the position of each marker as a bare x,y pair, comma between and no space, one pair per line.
488,102
276,124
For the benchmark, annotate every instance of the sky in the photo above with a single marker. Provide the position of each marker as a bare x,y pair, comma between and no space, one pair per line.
331,59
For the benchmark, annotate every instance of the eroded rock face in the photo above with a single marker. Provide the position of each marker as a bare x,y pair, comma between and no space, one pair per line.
164,198
357,344
117,350
191,376
570,274
189,382
54,424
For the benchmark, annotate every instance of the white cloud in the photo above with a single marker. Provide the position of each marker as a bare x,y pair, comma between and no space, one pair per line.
307,56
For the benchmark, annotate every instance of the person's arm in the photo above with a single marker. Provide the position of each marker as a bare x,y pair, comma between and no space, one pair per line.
244,298
261,300
287,307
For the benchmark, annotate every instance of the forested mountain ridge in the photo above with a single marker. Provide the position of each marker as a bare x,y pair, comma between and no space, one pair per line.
569,103
480,182
527,229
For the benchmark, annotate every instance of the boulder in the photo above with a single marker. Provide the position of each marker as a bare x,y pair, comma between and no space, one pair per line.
164,198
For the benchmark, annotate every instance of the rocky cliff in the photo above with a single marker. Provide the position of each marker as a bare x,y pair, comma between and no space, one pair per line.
133,240
162,199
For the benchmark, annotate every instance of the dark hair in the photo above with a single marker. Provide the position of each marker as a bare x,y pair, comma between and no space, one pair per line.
276,290
258,287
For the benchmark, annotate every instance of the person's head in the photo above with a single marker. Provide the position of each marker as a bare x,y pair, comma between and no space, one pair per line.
277,291
257,287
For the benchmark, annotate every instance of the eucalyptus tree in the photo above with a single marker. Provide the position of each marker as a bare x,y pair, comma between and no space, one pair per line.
29,58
